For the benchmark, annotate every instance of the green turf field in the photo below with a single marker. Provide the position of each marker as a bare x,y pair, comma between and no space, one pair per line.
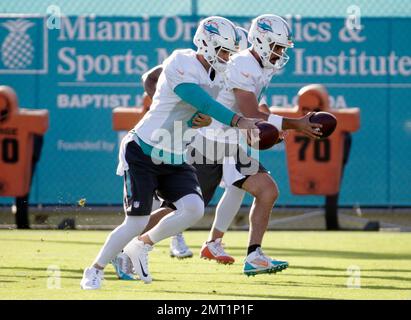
318,267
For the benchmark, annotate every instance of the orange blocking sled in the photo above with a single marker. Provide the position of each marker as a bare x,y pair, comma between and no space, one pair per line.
315,166
126,118
17,129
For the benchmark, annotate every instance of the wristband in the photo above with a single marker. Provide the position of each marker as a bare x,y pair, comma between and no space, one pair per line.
276,121
238,120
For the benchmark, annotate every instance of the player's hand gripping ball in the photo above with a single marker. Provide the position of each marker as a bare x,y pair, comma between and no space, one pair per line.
264,137
328,121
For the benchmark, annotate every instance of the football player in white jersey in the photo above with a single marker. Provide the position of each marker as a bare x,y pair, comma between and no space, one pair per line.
228,206
153,153
248,74
178,247
259,184
258,72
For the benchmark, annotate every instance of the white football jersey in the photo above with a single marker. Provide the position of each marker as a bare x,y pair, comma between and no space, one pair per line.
167,111
243,72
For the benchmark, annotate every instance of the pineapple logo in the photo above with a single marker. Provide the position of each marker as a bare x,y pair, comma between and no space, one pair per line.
17,50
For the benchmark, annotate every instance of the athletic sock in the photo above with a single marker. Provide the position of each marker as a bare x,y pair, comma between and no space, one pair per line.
252,248
228,207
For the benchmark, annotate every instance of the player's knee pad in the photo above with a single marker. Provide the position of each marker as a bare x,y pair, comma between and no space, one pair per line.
134,224
191,206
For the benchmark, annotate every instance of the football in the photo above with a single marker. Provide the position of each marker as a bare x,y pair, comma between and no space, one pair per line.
268,136
328,121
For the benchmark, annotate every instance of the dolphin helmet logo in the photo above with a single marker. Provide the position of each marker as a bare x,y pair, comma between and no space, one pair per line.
264,25
211,27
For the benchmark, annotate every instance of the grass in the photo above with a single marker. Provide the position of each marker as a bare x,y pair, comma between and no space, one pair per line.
318,267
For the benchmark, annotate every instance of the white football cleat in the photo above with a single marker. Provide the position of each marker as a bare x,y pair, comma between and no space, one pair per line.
138,253
179,248
92,279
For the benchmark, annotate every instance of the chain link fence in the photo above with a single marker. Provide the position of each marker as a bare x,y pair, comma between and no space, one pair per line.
245,8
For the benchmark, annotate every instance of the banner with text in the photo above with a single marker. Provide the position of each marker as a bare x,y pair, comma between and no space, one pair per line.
82,67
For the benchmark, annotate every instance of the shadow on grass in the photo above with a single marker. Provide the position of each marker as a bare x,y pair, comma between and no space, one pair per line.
372,287
317,268
308,276
393,278
254,282
365,273
108,275
390,270
55,241
41,269
296,284
32,277
62,276
274,251
292,252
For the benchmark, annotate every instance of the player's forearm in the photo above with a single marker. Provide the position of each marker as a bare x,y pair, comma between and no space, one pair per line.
255,114
275,120
150,79
201,100
150,87
289,123
264,108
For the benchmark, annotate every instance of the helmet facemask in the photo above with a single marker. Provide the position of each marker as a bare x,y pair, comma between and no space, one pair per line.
266,51
218,63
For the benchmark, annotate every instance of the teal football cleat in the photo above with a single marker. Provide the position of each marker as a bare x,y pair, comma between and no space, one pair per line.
258,263
279,265
123,266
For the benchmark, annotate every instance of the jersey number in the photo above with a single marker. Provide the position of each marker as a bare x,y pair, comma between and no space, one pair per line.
9,150
322,148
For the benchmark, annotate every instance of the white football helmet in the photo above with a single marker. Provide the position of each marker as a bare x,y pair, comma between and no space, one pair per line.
266,30
213,35
243,33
